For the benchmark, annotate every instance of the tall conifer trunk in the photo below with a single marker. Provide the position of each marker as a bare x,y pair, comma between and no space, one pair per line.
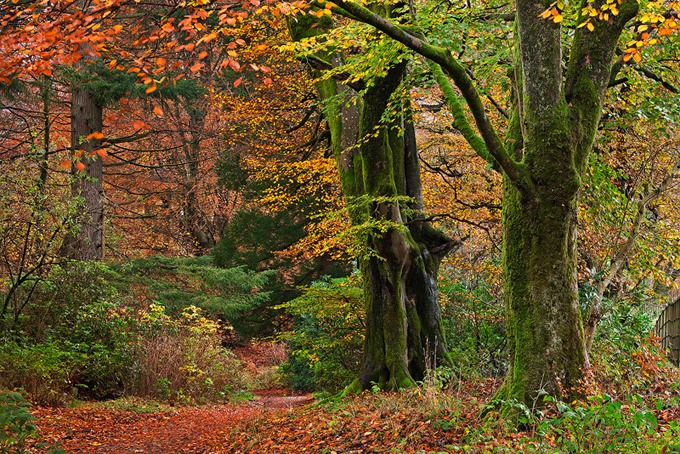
86,242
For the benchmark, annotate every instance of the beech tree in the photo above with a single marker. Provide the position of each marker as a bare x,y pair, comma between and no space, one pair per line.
373,141
559,76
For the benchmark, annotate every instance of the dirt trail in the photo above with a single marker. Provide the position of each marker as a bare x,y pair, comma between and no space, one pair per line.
182,430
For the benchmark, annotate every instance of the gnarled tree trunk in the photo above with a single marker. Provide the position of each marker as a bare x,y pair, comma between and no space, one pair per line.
404,335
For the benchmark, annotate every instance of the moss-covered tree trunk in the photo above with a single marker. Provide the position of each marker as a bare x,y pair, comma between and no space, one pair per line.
403,333
551,131
378,164
545,335
86,242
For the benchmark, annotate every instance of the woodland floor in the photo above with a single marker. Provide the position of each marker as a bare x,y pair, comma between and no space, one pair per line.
278,421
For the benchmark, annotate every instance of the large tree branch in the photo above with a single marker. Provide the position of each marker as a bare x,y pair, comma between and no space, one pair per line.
455,70
590,70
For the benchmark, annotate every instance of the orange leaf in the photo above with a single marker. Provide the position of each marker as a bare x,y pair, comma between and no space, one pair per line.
138,124
202,55
160,61
267,81
65,164
237,82
189,47
151,89
158,111
234,64
102,152
80,166
196,67
97,135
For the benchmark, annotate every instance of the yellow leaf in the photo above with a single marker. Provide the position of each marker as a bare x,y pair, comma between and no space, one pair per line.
590,26
558,18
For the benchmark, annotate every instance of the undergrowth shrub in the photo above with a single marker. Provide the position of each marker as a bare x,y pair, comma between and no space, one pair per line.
86,335
179,282
325,343
45,371
16,422
16,426
474,322
182,359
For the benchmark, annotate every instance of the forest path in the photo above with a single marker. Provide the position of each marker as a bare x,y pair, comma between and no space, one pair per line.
92,429
137,426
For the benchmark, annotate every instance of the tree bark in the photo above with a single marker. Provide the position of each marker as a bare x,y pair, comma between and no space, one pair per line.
86,240
192,217
404,336
550,136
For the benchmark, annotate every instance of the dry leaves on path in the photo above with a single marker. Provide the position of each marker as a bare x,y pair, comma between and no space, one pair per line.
180,430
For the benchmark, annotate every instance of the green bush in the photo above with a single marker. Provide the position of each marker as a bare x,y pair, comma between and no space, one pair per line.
180,282
473,318
325,343
58,300
45,371
16,422
604,424
16,425
89,333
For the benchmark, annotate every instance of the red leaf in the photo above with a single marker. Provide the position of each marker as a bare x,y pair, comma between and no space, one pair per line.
80,166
